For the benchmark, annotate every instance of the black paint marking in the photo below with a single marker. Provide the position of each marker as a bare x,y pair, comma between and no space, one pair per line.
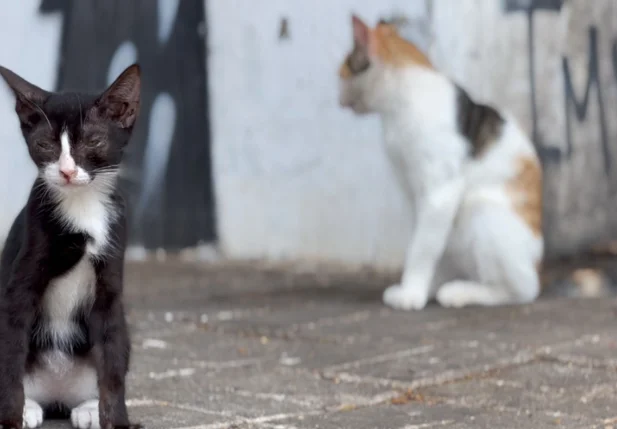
524,5
581,107
547,153
284,29
181,213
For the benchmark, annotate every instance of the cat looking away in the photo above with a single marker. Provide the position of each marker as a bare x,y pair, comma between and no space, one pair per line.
64,343
471,175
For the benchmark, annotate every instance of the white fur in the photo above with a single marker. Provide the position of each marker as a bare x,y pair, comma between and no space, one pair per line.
64,295
66,163
83,204
86,415
33,415
468,245
62,378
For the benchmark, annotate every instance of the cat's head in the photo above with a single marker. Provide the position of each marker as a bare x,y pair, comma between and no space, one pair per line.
368,70
76,140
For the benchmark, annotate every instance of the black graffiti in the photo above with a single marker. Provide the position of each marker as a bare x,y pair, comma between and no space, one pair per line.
181,212
533,5
549,154
574,107
581,107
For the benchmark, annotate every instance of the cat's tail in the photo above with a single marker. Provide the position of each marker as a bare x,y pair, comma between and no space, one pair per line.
592,274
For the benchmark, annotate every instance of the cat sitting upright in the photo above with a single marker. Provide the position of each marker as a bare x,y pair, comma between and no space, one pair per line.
64,344
472,177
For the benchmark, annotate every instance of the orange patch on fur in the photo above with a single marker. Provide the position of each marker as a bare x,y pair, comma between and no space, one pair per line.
396,51
525,190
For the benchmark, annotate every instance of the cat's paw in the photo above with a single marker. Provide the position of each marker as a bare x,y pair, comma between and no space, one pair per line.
33,414
455,295
86,415
405,298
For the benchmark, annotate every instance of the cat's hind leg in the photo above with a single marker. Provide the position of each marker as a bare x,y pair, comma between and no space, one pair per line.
498,255
460,293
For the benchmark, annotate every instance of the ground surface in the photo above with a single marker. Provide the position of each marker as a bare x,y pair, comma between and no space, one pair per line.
233,347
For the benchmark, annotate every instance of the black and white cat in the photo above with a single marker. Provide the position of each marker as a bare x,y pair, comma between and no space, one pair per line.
64,342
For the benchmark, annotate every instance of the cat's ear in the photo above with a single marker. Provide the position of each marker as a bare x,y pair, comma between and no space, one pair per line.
28,97
120,102
361,32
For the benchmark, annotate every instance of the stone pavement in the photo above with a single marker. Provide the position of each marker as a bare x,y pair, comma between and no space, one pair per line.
235,347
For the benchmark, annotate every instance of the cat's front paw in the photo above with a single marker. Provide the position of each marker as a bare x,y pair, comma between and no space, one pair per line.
86,415
405,298
33,414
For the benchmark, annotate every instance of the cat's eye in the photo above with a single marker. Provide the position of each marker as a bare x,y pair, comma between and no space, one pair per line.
94,143
45,145
358,61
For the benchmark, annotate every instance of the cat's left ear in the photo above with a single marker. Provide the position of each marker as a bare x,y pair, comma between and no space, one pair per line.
120,102
361,32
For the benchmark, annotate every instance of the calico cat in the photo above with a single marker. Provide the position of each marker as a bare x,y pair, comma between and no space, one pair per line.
64,343
472,176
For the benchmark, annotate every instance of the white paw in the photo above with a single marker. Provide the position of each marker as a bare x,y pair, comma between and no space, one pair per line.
405,298
33,414
455,295
86,415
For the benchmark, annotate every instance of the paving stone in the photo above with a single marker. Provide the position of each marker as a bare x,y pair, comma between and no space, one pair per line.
424,416
540,387
239,346
599,350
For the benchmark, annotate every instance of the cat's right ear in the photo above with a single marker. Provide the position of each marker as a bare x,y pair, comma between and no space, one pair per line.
361,32
120,102
28,97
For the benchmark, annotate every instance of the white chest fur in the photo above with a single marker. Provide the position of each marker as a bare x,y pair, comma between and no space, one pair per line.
59,378
64,295
88,211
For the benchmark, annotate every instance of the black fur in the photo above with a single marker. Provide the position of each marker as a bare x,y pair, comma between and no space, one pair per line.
479,123
40,247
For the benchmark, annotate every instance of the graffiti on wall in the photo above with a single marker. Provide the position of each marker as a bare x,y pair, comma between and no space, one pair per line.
167,173
576,107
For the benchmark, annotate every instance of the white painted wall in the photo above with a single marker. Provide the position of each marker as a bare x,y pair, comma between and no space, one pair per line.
297,177
29,47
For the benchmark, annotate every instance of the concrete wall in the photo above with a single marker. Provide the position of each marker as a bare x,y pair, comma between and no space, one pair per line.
30,47
297,177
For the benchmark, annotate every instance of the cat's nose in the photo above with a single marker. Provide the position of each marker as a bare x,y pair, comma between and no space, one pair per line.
68,173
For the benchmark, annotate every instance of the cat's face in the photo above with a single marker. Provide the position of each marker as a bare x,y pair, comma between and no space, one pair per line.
366,71
358,71
77,140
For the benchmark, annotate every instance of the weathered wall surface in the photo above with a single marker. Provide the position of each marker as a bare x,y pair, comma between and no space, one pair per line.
68,45
298,177
294,176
